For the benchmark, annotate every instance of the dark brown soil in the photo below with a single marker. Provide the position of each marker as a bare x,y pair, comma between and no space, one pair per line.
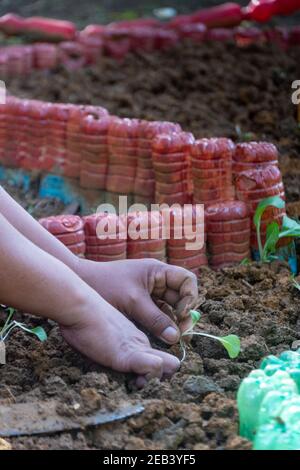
214,89
196,409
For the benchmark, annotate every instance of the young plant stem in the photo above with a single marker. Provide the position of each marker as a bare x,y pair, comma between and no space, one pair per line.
200,334
7,324
260,247
9,329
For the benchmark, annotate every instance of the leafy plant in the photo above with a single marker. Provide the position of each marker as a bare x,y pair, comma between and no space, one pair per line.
278,203
10,324
231,343
290,228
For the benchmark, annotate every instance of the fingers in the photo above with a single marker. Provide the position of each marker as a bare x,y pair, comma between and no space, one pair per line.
188,297
169,365
156,321
177,286
147,365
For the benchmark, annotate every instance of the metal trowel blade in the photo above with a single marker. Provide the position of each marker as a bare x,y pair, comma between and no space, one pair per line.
27,419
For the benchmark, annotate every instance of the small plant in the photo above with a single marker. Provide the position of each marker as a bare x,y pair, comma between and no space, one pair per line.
10,324
296,284
290,229
231,343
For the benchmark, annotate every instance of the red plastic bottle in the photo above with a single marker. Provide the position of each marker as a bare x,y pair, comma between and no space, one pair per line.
253,186
263,10
211,168
228,233
173,184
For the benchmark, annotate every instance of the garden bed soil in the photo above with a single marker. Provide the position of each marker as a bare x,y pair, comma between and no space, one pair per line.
196,409
212,90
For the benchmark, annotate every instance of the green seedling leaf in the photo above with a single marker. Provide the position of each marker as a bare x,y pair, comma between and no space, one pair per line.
290,228
38,331
273,232
273,201
232,344
245,262
195,316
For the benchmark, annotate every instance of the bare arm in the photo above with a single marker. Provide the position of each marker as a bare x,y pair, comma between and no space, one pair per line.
34,281
139,279
33,231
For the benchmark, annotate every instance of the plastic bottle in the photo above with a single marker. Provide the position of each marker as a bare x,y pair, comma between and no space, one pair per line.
228,245
251,394
279,423
211,163
275,436
263,10
288,361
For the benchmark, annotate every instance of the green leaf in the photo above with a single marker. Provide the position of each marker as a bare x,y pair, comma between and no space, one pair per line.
273,201
290,228
38,331
232,344
195,316
273,232
245,262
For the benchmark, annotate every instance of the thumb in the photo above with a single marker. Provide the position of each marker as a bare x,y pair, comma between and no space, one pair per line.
155,321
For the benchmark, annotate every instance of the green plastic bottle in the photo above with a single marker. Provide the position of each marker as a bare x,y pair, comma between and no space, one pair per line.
275,436
252,392
273,404
282,432
288,361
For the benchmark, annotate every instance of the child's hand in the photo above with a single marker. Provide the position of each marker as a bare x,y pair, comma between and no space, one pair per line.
135,287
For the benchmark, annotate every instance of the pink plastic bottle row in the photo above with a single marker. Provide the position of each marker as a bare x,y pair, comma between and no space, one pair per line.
118,41
154,160
226,15
176,235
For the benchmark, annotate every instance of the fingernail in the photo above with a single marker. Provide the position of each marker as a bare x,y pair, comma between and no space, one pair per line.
170,334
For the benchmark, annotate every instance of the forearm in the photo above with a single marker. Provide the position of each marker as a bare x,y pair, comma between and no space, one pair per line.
34,281
33,231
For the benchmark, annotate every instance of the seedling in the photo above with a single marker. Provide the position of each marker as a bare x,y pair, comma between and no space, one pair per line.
11,324
290,229
231,343
296,284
